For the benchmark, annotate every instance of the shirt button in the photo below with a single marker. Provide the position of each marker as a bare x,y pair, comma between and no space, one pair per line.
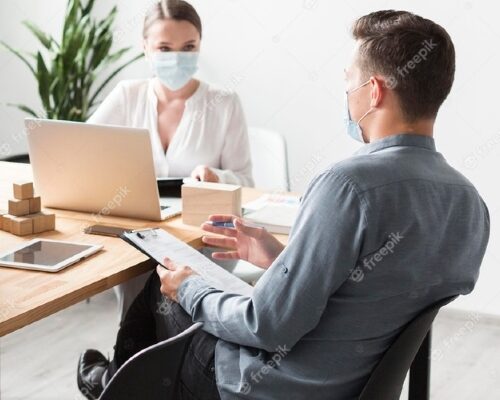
285,270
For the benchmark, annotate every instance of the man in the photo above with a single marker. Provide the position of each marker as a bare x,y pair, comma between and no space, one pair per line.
379,237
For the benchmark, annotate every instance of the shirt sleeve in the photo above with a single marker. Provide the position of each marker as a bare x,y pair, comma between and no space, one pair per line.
289,300
112,110
236,164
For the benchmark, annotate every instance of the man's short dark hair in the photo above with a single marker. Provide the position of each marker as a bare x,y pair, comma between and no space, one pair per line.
415,55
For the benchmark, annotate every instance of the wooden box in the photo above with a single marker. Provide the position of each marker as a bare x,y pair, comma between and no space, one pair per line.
35,205
43,222
21,226
18,208
7,222
200,199
23,191
4,221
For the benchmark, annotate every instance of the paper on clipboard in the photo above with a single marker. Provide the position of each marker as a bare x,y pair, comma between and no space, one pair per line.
158,244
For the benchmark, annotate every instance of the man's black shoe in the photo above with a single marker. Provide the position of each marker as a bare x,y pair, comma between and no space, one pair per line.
91,373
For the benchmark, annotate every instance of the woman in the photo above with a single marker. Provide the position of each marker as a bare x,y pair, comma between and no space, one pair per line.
196,130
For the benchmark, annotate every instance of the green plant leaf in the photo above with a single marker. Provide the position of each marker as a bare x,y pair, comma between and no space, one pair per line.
71,14
54,90
44,39
88,8
18,55
23,108
100,52
111,76
73,65
116,55
43,82
106,23
73,45
87,43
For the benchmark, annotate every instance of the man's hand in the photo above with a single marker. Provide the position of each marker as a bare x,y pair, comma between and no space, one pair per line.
172,278
252,244
204,174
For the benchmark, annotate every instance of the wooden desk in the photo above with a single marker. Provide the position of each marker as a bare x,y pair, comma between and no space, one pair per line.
28,296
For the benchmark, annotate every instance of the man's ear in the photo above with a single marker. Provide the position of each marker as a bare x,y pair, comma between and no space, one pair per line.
377,91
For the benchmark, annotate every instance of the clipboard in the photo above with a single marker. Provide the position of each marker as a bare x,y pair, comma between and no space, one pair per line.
126,238
157,244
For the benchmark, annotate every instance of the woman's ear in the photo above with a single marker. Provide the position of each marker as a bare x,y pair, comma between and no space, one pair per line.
145,48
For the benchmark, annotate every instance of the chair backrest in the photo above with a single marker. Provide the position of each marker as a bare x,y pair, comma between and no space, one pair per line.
269,159
387,379
153,372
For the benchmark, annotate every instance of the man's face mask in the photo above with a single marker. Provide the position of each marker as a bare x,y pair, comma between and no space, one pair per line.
352,128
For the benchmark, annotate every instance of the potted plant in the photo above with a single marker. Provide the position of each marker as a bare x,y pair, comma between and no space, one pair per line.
69,73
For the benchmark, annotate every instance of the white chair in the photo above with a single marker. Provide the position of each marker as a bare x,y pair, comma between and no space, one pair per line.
270,173
269,160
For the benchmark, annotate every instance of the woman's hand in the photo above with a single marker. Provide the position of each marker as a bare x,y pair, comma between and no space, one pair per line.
204,174
252,244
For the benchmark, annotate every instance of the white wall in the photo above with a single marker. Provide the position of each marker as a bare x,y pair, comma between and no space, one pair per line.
285,58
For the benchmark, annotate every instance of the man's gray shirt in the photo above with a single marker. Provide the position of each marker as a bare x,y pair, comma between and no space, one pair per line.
379,237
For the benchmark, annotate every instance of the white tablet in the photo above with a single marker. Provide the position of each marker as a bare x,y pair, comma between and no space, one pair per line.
46,255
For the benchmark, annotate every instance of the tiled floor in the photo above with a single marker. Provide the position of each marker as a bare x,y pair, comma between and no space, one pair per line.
39,361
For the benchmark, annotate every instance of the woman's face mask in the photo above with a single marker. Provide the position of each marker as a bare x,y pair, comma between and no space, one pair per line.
174,69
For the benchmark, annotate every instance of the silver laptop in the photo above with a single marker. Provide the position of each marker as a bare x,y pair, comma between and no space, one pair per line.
100,169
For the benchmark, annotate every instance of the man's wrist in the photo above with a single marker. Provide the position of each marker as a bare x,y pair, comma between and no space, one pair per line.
185,285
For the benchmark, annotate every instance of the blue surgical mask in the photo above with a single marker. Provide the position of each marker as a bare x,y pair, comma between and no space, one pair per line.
175,69
353,128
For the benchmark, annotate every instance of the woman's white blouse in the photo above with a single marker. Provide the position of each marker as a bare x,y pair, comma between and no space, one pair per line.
212,131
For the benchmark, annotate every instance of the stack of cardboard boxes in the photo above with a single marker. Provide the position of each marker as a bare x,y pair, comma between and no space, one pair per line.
24,216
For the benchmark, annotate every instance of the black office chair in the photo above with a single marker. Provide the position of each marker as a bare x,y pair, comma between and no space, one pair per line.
153,372
410,351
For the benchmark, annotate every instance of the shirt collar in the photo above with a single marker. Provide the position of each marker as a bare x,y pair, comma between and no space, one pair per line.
403,139
195,97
